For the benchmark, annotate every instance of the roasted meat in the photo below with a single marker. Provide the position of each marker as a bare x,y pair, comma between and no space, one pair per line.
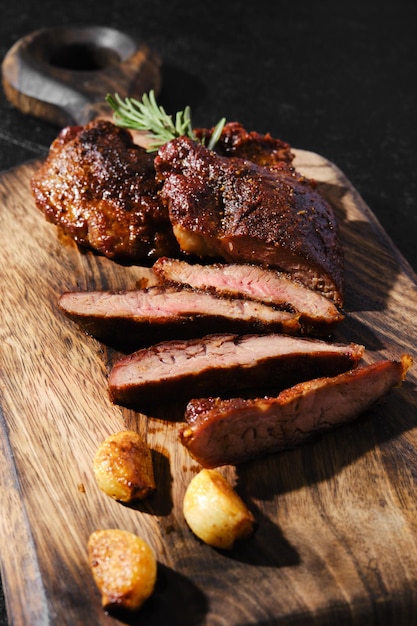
143,314
231,431
243,203
181,370
100,188
236,141
232,208
317,314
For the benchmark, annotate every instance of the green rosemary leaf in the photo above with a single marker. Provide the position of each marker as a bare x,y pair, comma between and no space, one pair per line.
217,131
147,115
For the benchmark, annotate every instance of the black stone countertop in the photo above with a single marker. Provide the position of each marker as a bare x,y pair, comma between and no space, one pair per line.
331,77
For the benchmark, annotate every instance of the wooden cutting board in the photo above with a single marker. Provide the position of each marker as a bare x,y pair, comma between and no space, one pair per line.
336,537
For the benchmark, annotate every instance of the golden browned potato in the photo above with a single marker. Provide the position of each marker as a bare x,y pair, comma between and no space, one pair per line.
124,568
214,511
123,467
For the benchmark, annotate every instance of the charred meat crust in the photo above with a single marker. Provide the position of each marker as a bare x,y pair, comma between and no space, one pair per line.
222,432
240,211
236,141
243,203
100,188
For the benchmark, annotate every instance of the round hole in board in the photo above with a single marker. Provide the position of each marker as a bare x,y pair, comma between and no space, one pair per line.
84,57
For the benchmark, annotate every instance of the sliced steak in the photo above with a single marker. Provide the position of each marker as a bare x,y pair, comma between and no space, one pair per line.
223,432
223,364
232,208
317,314
160,311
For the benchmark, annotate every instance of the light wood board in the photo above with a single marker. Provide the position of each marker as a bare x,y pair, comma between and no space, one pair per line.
336,537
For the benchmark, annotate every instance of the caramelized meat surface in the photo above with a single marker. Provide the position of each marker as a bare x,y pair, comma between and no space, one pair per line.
232,208
223,432
236,141
100,188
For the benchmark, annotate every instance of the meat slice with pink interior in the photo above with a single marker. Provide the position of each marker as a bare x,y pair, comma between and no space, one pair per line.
232,431
223,364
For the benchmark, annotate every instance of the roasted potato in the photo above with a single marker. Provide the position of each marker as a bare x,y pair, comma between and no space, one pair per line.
123,567
123,467
214,511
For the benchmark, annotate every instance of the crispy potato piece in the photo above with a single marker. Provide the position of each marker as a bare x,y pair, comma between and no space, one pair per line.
124,568
123,467
214,511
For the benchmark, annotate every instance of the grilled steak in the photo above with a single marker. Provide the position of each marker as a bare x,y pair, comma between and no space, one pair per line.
234,209
317,314
251,145
224,364
245,202
158,311
223,432
100,188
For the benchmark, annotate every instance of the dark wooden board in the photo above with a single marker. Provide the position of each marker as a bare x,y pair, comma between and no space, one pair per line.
336,538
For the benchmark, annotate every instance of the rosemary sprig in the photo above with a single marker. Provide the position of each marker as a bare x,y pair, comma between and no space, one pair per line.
147,115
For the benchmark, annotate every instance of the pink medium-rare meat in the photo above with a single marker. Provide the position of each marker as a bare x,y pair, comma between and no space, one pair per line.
222,432
317,313
232,208
163,310
223,364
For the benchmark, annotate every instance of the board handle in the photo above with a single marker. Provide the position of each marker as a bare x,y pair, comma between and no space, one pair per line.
62,75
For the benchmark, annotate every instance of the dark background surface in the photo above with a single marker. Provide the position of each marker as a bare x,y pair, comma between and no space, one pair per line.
335,78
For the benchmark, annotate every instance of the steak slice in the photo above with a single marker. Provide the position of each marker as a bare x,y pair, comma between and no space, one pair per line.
223,364
100,188
223,432
232,208
159,311
317,314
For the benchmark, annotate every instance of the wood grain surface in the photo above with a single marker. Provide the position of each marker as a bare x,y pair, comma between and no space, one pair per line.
62,74
336,536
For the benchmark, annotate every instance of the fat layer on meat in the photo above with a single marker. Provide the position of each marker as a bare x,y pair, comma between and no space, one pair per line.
232,431
224,363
